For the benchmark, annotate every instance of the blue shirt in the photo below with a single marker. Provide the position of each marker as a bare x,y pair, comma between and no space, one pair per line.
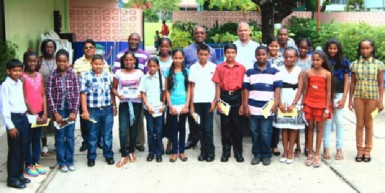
191,57
339,72
178,94
97,89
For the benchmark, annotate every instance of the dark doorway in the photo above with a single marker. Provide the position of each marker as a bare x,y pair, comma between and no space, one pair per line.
2,21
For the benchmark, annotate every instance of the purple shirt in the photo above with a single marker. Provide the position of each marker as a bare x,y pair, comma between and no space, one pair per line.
191,57
60,88
142,56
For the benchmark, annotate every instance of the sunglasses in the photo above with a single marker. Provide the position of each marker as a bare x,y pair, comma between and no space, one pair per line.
90,47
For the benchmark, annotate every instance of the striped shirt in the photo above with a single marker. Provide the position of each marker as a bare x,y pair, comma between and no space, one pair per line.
97,89
142,56
366,71
63,87
261,86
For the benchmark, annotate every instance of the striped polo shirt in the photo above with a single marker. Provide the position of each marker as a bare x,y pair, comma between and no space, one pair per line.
261,86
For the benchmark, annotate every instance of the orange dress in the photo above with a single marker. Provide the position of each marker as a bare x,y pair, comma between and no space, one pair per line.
315,101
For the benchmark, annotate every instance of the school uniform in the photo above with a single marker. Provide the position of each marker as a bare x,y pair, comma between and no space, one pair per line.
99,104
230,80
14,116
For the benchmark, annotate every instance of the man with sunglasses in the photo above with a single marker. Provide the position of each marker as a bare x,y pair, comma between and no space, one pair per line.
81,66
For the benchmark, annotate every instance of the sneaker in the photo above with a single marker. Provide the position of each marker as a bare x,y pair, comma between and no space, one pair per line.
255,160
266,161
71,168
40,169
31,170
63,169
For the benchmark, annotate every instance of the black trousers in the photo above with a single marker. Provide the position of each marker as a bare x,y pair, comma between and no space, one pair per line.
205,127
193,136
16,147
275,137
231,125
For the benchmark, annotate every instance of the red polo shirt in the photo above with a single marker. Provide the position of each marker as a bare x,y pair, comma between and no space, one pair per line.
229,78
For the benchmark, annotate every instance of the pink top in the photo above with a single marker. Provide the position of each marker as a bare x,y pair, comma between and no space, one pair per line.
33,88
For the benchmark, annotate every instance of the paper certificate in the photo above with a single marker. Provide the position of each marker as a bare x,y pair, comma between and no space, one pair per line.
293,113
374,113
157,112
130,93
41,125
225,107
266,109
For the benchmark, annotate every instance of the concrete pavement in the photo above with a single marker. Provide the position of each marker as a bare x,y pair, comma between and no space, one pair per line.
194,176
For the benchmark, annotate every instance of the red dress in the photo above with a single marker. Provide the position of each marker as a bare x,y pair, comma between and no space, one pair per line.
315,101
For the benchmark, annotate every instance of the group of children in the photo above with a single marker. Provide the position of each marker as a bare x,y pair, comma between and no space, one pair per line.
286,91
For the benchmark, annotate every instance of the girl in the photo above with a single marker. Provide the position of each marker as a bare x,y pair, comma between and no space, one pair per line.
178,99
165,61
304,62
317,102
46,67
33,84
151,88
290,97
125,87
274,60
341,70
63,89
367,88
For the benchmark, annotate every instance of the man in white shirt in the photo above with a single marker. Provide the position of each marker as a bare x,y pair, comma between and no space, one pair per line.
245,46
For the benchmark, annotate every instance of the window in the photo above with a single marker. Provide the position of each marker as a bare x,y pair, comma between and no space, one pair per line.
343,2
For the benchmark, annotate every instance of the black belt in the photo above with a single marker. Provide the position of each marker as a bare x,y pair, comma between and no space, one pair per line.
100,108
231,92
287,85
19,114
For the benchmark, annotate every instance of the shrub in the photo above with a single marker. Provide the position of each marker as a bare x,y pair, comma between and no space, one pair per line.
7,52
180,39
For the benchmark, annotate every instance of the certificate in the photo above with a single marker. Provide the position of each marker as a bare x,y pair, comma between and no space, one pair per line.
130,93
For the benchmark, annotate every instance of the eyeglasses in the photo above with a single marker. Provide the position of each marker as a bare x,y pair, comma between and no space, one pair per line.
90,47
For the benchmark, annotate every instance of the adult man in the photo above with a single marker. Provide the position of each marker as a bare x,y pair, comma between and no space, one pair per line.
191,57
283,40
143,56
81,66
165,30
245,46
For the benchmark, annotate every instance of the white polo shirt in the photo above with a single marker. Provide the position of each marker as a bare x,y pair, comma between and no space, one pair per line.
204,90
246,53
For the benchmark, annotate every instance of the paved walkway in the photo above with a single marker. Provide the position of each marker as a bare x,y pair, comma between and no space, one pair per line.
194,176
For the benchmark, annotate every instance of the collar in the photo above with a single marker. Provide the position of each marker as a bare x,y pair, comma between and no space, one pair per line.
156,75
266,67
84,59
196,45
11,81
370,59
236,64
58,73
242,44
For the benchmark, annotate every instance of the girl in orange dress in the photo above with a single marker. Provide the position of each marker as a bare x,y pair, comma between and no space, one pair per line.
317,104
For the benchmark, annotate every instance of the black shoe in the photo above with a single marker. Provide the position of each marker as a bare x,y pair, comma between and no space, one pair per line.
239,158
17,184
140,148
110,161
225,157
190,144
210,157
91,163
202,156
83,147
24,180
255,160
266,161
159,158
150,157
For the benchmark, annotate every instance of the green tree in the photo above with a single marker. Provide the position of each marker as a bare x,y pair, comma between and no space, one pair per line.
165,7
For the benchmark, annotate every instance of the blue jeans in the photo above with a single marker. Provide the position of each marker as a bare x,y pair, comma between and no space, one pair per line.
65,141
338,116
105,120
124,127
205,127
154,133
261,132
33,147
178,127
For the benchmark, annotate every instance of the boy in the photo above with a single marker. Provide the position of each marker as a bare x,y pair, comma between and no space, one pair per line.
261,85
98,104
16,122
203,103
228,77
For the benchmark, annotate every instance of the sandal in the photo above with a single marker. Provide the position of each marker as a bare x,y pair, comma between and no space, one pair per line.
339,155
366,159
122,162
306,152
317,161
309,160
326,154
173,158
168,148
297,152
359,157
183,157
132,157
276,152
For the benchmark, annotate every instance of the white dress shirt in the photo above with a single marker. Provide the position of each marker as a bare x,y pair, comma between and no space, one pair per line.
12,100
246,53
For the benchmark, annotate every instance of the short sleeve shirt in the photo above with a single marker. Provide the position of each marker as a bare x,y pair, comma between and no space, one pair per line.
204,89
150,85
178,92
128,82
229,78
366,71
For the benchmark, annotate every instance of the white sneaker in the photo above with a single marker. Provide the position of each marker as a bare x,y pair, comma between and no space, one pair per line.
63,169
71,168
44,149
